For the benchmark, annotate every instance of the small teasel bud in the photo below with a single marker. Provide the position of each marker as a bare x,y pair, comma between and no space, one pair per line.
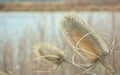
49,52
53,54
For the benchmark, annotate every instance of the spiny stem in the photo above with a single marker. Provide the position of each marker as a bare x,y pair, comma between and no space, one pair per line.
107,66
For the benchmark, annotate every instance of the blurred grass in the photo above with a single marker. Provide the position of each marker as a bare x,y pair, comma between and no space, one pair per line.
16,55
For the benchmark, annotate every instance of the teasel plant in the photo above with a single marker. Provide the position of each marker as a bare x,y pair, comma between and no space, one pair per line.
85,42
54,55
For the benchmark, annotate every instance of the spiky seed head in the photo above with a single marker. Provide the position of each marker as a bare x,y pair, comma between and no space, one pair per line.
74,29
52,52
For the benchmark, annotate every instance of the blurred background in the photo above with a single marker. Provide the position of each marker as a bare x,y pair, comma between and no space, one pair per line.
24,23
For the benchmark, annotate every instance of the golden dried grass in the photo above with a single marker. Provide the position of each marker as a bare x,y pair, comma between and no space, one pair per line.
3,73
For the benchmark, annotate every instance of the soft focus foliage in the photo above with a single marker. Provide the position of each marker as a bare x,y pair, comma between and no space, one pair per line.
20,30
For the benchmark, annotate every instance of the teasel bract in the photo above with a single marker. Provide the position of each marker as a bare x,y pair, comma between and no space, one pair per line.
85,41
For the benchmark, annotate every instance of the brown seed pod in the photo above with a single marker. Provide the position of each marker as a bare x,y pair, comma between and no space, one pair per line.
85,41
53,54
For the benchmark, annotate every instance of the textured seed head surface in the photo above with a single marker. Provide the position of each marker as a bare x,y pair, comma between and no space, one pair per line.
75,28
44,49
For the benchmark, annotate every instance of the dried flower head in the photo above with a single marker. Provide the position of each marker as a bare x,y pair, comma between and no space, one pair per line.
53,54
85,41
49,52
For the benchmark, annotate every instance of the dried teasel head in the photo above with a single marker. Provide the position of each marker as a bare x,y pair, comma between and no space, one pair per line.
49,52
75,28
85,41
53,54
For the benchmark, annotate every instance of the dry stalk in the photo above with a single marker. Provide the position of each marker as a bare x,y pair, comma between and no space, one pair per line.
85,41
